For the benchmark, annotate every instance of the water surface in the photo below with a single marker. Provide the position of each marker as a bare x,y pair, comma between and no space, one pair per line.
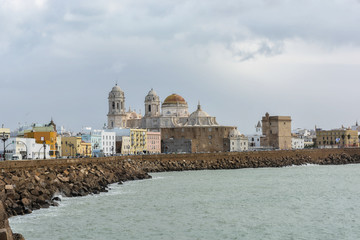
306,202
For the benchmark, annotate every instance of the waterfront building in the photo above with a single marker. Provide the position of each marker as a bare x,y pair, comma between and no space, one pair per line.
237,141
168,117
94,138
276,132
45,134
108,142
307,135
27,148
138,140
254,139
202,138
153,142
75,147
297,142
336,138
123,146
70,146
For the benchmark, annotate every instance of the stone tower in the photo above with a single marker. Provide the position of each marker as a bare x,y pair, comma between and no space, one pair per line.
116,115
152,104
276,132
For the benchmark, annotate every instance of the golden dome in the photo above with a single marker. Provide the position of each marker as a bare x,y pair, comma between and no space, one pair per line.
174,99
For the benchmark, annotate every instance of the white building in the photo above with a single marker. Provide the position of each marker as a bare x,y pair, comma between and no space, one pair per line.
238,142
27,148
305,134
254,139
297,142
108,142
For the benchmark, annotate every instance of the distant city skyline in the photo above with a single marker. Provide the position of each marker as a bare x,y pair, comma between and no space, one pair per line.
240,59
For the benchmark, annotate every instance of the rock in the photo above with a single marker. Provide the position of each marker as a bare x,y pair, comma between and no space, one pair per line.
56,199
26,202
37,178
5,230
9,187
18,236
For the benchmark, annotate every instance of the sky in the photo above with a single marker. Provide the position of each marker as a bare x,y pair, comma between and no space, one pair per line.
239,58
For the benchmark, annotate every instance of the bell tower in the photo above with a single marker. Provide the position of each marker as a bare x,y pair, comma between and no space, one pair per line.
116,115
152,104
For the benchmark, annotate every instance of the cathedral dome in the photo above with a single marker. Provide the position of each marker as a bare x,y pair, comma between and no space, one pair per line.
152,96
116,88
174,99
200,118
152,93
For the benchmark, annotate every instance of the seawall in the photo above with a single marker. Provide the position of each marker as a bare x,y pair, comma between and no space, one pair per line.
34,184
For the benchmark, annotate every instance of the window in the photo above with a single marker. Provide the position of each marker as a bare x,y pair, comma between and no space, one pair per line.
149,108
113,105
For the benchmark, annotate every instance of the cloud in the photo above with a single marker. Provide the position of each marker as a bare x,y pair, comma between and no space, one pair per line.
240,58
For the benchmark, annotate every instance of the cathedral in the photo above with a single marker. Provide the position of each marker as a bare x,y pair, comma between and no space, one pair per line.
174,113
181,131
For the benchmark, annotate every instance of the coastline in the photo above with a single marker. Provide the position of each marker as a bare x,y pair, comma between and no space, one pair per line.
30,185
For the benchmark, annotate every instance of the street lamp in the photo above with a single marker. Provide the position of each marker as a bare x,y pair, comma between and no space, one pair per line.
44,143
4,138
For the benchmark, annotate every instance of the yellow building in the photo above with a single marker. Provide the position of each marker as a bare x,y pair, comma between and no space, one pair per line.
74,146
337,138
138,140
85,149
46,134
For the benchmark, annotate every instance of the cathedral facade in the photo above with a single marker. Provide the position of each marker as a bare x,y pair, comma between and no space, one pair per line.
173,112
181,131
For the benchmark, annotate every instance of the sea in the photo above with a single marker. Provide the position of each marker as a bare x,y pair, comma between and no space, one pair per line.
297,202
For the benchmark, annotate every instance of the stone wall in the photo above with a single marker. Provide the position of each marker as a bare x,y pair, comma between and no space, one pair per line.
203,138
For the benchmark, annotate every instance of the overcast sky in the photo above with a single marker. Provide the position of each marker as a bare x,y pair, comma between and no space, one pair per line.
239,58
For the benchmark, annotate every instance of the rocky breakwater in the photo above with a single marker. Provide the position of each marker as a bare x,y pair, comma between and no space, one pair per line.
249,160
5,231
25,189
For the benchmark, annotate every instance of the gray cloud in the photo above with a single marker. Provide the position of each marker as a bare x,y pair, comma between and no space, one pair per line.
240,58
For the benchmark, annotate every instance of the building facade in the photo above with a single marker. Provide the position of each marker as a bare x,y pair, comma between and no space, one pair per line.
153,142
276,131
94,138
337,138
71,146
297,142
168,117
44,135
203,138
254,139
238,142
27,148
138,139
108,142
